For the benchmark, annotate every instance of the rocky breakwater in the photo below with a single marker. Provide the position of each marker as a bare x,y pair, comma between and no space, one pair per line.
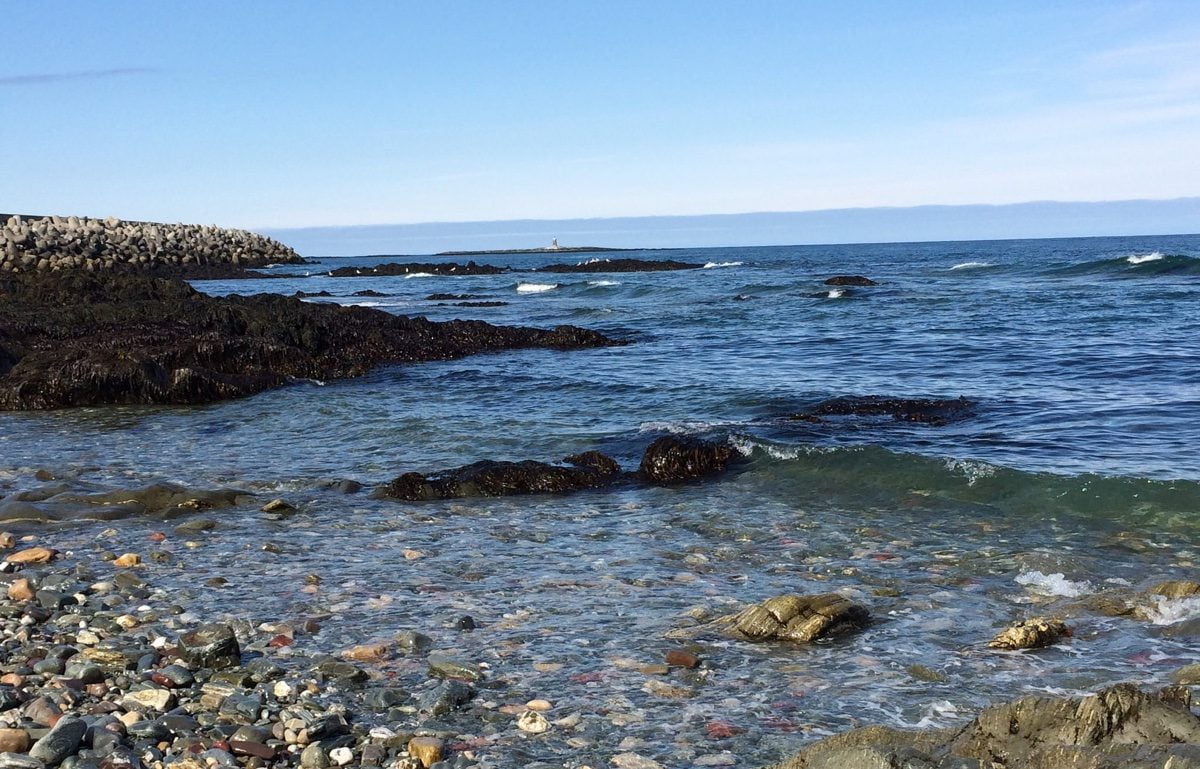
56,243
97,338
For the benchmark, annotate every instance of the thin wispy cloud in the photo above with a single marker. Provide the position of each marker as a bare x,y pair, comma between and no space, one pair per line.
43,78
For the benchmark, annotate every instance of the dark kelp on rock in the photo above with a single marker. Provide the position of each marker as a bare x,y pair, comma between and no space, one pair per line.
668,460
928,411
74,339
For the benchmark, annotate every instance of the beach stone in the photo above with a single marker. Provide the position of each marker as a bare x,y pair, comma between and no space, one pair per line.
681,658
1188,675
532,722
32,555
341,756
60,742
17,761
412,641
1034,633
14,741
314,757
149,699
127,560
798,618
278,506
20,590
251,748
427,750
384,699
212,646
450,667
341,671
376,652
445,697
634,761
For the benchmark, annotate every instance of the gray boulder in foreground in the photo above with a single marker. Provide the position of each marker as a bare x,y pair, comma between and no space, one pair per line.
1118,727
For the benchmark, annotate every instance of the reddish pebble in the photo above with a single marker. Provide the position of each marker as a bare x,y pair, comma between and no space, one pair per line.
221,745
682,659
162,680
720,730
247,748
158,536
280,640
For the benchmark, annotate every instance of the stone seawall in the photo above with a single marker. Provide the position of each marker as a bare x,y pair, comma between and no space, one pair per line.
74,243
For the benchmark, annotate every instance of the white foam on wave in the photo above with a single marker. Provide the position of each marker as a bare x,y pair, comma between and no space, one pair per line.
836,293
1168,611
593,260
604,282
1153,256
419,275
971,265
1053,584
747,446
973,469
535,288
682,426
714,265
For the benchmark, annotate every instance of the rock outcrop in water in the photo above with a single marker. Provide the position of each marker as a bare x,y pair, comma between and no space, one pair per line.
798,618
667,461
88,339
928,411
621,265
500,479
676,459
850,280
57,243
416,268
1120,727
1033,633
60,501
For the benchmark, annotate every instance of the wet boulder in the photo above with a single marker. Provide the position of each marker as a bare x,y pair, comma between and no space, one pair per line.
1033,633
210,646
798,618
500,479
676,459
1120,727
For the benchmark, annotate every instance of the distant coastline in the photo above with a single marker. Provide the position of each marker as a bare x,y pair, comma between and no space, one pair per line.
543,250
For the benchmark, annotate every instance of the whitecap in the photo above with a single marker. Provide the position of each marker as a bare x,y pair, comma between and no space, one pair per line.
604,282
682,426
836,293
713,265
1053,584
419,275
1153,256
971,265
535,288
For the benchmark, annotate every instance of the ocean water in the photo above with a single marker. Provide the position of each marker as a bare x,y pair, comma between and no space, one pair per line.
1078,471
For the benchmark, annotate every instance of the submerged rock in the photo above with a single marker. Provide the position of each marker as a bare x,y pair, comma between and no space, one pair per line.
211,646
675,459
930,411
621,265
797,618
76,339
1119,727
1034,633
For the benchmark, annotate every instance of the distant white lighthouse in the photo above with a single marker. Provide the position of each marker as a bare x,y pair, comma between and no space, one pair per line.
554,245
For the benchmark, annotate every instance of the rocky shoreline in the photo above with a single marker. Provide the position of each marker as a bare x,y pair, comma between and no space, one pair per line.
101,668
86,339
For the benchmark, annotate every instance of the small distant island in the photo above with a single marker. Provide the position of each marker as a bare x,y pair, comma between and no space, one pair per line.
553,248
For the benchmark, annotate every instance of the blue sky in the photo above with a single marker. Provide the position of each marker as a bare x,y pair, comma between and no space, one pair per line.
287,114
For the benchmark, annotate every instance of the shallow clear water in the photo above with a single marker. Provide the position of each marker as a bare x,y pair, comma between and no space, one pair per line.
1080,460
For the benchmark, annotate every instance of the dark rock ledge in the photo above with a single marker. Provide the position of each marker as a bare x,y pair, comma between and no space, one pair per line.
668,460
89,339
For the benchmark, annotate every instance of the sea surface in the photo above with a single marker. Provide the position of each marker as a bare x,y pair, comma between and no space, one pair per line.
1078,471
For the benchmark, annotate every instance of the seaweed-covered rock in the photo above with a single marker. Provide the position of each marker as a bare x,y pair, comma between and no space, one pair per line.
88,339
798,618
929,411
1033,633
1117,728
850,280
675,459
498,479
